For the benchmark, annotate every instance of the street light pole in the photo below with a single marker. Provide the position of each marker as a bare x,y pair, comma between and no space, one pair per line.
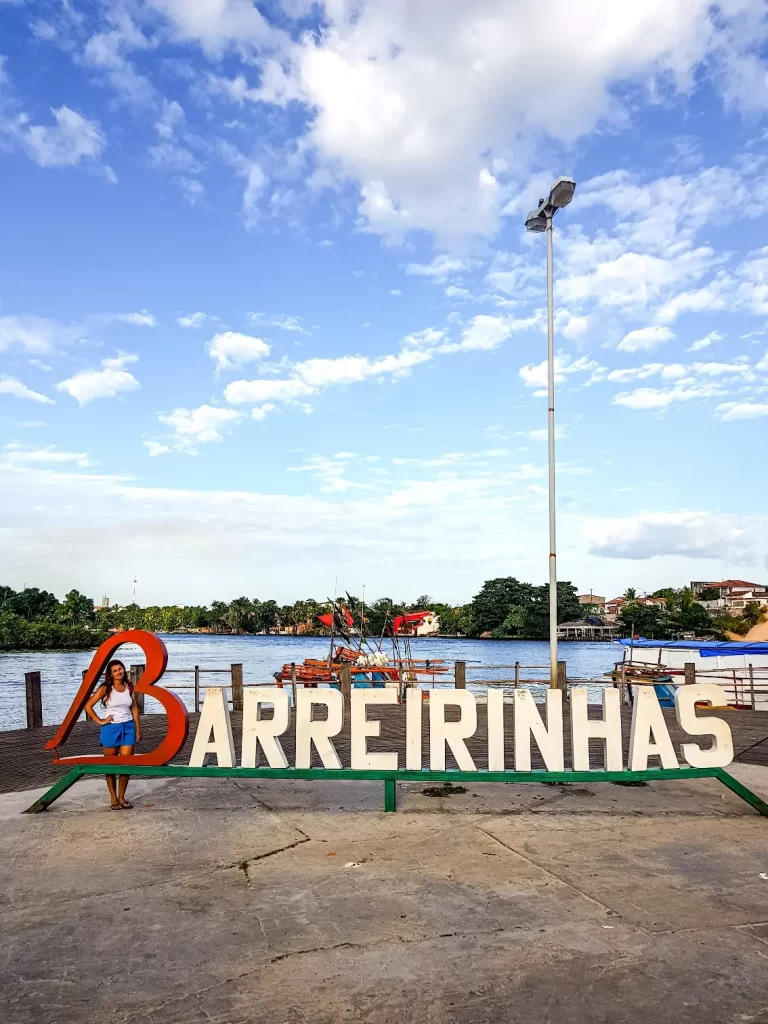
540,220
551,445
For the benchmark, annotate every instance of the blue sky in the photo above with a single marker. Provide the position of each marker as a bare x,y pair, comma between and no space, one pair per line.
270,321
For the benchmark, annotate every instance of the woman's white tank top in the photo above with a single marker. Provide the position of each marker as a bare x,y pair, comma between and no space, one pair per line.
119,705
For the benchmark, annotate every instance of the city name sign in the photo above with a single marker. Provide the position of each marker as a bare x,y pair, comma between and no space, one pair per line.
649,735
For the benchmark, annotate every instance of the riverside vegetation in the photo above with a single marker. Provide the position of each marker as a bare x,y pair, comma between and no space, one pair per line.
505,608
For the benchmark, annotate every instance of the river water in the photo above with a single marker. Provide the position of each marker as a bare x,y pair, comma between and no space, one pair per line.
262,655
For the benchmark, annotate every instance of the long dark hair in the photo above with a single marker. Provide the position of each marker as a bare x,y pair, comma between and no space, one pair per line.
109,682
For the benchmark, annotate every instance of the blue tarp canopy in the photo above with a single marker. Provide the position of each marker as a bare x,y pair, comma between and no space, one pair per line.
706,648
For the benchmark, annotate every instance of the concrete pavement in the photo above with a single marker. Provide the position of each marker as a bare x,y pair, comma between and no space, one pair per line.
229,902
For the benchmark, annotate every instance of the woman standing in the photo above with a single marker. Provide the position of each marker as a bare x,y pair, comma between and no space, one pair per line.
121,729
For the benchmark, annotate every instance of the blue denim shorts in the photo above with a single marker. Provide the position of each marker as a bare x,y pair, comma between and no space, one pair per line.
118,734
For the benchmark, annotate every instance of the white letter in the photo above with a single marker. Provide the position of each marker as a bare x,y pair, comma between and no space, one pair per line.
451,733
264,731
607,729
214,731
317,732
413,701
361,728
528,724
720,753
495,713
648,725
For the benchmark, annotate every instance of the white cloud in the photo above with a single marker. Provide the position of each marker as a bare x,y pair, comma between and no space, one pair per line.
33,333
686,390
19,454
396,291
672,371
261,412
645,338
429,336
705,342
192,189
230,349
634,280
313,375
261,391
199,426
730,411
70,141
215,24
40,336
685,533
142,319
193,320
428,123
108,382
441,267
322,373
282,321
155,448
576,327
488,332
12,386
536,376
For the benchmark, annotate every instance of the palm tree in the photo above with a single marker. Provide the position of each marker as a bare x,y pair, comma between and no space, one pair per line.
239,613
630,595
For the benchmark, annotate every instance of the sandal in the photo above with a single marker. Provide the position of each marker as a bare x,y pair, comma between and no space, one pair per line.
116,807
126,805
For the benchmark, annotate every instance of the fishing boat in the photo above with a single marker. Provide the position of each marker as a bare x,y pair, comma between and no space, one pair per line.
369,664
739,667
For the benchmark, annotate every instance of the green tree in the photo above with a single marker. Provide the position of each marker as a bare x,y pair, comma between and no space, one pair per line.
685,615
496,598
630,595
267,615
707,594
219,616
646,620
33,605
239,615
76,610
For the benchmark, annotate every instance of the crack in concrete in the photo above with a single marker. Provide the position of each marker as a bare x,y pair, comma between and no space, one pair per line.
282,957
244,865
547,871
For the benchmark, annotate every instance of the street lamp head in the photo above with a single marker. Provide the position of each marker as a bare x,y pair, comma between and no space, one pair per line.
536,221
561,192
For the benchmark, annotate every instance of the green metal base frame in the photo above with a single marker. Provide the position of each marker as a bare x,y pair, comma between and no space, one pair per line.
390,778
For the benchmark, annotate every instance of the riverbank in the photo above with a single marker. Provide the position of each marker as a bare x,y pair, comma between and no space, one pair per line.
279,901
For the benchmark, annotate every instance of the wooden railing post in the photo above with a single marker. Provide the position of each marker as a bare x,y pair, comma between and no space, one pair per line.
562,679
752,687
293,682
34,693
237,687
690,672
461,675
517,675
345,674
197,688
134,674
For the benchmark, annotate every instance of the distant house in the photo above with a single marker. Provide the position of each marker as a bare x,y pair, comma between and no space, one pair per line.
613,607
416,624
734,596
594,601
